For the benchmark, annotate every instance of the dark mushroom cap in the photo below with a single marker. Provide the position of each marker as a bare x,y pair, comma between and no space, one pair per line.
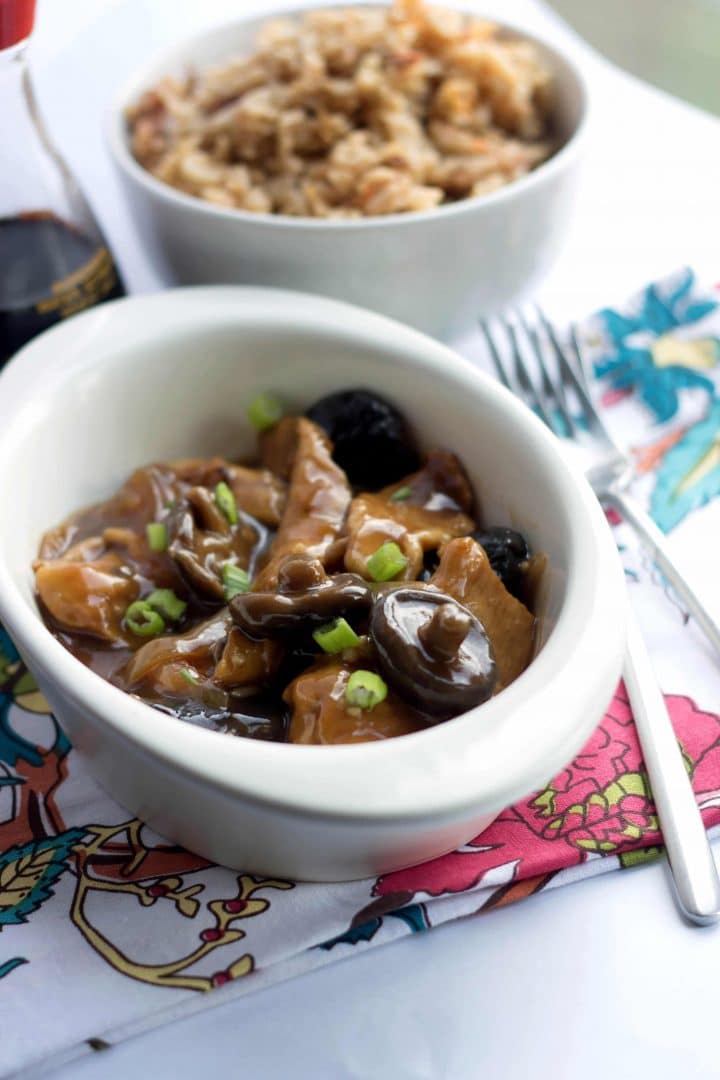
371,439
202,540
297,573
201,579
508,552
432,650
305,597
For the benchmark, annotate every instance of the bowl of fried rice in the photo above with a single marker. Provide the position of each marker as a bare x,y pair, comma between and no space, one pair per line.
419,161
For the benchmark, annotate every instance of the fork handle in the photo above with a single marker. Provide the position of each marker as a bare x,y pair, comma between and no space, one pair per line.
654,540
688,848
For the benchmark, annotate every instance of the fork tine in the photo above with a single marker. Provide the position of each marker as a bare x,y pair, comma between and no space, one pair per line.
553,393
495,354
522,375
590,413
583,379
580,359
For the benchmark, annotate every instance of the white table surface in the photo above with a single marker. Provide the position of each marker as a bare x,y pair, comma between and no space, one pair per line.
593,980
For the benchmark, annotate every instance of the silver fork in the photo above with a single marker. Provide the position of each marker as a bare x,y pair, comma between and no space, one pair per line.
557,391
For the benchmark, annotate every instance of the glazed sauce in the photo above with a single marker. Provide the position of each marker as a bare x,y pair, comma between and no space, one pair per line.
48,271
255,718
111,537
212,665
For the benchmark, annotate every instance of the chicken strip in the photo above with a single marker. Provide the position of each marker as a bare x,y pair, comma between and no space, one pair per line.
320,716
419,514
318,495
87,597
465,574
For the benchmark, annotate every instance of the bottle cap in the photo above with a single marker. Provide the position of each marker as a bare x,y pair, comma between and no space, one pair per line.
16,21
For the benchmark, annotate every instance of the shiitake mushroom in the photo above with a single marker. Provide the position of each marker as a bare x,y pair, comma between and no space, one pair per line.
371,440
507,551
432,650
305,597
202,541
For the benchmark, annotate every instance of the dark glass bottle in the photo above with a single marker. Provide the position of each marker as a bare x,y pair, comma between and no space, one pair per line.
54,261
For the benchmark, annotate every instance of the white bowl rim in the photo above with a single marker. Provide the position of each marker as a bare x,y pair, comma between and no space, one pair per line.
435,774
115,133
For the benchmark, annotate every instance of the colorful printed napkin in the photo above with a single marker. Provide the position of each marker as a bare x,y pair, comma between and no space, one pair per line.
137,931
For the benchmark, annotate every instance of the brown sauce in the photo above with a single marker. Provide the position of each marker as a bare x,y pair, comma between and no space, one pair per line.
252,667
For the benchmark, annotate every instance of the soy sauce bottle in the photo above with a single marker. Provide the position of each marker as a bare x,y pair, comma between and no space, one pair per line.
54,261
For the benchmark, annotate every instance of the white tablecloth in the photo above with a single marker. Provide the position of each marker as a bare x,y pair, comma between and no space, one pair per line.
595,980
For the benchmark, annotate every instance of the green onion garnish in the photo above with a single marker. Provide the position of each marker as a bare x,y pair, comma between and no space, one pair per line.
225,500
335,636
401,494
143,620
189,676
387,562
264,411
157,536
365,690
235,581
167,603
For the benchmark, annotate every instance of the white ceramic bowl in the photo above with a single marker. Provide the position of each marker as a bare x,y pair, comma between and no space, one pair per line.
169,375
437,269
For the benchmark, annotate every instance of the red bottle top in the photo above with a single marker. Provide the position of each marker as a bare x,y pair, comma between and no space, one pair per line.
16,21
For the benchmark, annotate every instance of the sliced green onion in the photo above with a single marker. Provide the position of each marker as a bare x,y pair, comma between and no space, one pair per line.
365,690
225,500
387,562
235,580
167,603
189,676
157,536
143,620
264,411
401,494
335,636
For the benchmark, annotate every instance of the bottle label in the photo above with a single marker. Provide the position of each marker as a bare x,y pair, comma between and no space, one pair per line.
86,286
48,271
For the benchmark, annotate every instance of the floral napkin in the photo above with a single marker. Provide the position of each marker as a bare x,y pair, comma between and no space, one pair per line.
138,931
